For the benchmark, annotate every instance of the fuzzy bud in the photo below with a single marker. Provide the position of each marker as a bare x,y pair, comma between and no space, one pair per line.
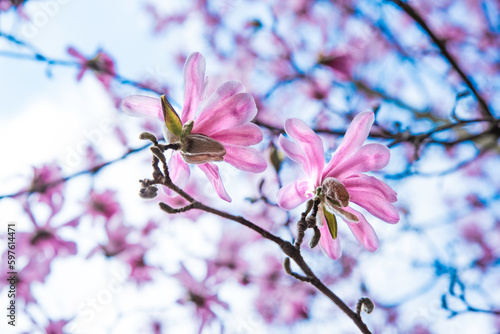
366,305
148,192
199,149
148,136
159,154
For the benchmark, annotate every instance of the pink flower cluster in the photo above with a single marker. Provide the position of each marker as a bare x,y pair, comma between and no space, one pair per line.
219,128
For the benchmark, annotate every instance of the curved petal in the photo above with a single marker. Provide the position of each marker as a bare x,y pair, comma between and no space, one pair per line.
245,158
293,194
311,144
243,135
217,99
142,106
330,246
235,110
194,85
355,136
376,205
178,170
370,184
369,157
212,172
363,231
293,151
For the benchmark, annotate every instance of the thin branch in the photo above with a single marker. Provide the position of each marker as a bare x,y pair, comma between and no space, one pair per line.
163,177
91,171
485,109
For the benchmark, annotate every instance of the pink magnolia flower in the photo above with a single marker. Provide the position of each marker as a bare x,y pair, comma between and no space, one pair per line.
102,65
35,270
46,183
340,182
221,128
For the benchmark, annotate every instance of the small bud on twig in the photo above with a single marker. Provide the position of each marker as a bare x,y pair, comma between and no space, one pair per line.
199,149
148,192
315,239
286,265
148,136
158,153
364,304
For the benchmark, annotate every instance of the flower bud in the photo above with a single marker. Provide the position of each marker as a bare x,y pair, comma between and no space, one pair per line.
315,239
187,128
148,136
286,265
199,149
366,305
335,192
148,192
159,154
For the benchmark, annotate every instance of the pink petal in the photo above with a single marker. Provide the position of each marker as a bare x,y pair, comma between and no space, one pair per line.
293,194
243,135
194,85
230,112
355,136
309,143
245,158
142,106
212,172
178,170
370,184
376,205
363,231
293,151
81,73
72,51
329,245
369,157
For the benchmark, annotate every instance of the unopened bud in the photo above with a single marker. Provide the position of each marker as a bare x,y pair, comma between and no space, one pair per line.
148,192
159,154
187,128
148,136
366,305
286,265
167,208
315,239
199,149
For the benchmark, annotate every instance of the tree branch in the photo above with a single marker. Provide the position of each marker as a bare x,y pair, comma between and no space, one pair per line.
485,109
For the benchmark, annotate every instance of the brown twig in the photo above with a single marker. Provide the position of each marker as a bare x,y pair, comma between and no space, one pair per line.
162,177
485,109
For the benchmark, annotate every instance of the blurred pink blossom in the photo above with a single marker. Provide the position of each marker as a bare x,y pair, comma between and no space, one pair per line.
345,178
224,117
47,184
102,65
200,295
102,204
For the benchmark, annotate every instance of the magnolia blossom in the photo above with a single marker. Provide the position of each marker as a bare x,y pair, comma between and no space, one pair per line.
340,182
210,129
102,65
